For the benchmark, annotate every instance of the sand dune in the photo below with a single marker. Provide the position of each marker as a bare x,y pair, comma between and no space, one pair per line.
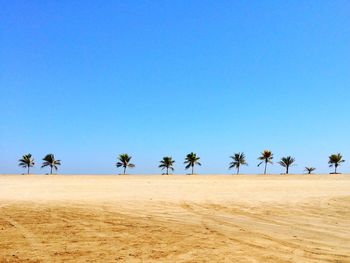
175,218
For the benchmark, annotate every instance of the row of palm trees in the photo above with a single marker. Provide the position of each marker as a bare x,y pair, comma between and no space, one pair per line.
27,161
191,160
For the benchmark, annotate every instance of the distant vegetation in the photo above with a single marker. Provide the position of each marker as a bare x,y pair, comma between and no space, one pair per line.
191,160
26,161
49,160
238,159
335,160
266,158
167,163
309,170
123,160
287,162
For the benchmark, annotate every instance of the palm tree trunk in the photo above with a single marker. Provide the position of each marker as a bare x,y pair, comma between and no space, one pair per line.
50,169
238,170
265,168
192,169
287,169
124,169
28,169
167,171
335,168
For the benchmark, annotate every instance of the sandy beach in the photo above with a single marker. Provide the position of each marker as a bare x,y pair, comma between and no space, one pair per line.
211,218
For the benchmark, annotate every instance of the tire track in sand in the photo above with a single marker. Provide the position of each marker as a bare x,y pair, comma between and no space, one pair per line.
228,224
30,239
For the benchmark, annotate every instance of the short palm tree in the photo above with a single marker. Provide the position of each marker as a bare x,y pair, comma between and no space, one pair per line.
335,160
123,160
266,157
310,169
26,161
167,163
287,162
191,160
49,160
238,159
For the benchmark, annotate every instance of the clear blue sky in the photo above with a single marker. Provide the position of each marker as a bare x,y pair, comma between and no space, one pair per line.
87,80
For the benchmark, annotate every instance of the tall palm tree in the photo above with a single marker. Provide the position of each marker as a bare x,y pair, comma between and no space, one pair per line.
266,157
123,160
26,161
238,159
287,162
309,169
191,160
167,163
49,160
335,160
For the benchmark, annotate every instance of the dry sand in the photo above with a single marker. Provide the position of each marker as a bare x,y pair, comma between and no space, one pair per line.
175,218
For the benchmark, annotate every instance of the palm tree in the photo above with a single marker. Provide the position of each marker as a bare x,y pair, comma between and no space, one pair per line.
191,160
49,160
26,162
123,160
287,162
266,157
309,170
238,160
167,163
335,160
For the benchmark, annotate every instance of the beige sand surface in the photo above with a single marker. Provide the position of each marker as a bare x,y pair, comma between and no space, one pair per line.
294,218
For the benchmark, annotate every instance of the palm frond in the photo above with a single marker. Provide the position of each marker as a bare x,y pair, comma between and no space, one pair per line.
266,156
188,166
335,159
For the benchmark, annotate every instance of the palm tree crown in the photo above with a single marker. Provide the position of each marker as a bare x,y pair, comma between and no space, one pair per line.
287,162
335,160
310,169
123,160
191,160
238,159
49,160
26,161
167,163
265,157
